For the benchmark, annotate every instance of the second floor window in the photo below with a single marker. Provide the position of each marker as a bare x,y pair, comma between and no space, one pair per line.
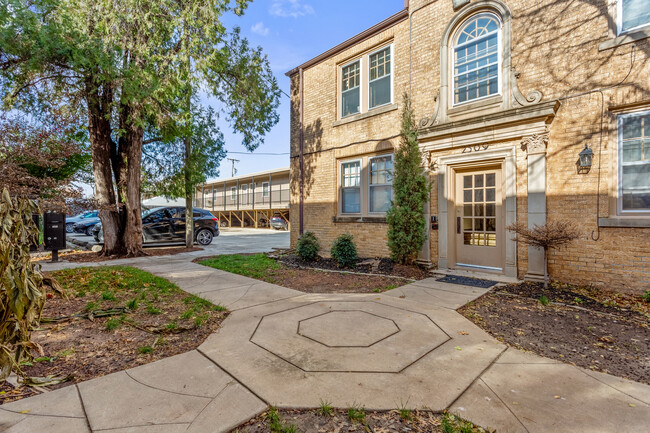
634,165
476,58
380,78
351,89
633,14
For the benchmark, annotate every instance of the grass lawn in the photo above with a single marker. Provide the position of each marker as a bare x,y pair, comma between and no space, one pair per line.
116,318
261,267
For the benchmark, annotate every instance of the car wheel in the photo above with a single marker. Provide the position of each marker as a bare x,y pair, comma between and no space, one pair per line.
204,237
89,231
69,228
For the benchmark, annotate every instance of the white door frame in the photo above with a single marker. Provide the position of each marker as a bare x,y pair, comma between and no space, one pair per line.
446,194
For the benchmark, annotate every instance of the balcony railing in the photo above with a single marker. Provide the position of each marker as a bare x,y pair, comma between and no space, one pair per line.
246,199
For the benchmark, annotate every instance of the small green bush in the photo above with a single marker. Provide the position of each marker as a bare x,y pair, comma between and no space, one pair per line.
344,251
307,248
646,296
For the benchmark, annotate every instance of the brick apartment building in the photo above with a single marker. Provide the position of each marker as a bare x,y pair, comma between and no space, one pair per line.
508,93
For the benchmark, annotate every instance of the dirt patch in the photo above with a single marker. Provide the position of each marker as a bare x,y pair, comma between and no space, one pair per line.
310,281
313,421
379,266
152,319
91,256
607,332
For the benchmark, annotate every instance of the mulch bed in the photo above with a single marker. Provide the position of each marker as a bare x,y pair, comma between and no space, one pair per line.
312,421
602,331
310,281
91,256
379,266
165,322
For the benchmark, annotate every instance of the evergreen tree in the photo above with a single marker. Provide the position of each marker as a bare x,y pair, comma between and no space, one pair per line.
406,220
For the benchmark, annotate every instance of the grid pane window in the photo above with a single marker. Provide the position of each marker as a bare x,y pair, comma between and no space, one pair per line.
351,89
381,183
479,210
380,76
476,59
635,13
634,149
351,187
265,189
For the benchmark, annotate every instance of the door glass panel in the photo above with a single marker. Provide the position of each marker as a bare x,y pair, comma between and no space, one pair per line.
479,210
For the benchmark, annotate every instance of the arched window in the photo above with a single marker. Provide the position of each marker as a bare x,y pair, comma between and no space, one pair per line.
477,57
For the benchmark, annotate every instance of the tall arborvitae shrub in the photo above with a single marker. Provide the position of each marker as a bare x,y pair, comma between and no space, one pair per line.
407,224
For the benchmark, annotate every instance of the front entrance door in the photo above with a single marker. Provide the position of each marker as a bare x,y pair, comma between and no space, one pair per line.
480,219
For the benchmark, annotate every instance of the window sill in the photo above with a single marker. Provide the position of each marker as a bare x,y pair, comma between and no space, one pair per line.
469,106
359,219
626,38
624,222
374,112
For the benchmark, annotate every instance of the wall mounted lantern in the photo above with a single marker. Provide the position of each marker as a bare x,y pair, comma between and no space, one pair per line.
584,160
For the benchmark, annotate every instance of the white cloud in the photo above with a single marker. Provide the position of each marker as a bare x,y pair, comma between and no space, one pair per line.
290,8
260,29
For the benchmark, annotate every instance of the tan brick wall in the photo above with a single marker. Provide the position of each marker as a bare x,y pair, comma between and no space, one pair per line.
555,48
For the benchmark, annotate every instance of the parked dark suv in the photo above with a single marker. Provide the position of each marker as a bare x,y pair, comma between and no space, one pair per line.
167,224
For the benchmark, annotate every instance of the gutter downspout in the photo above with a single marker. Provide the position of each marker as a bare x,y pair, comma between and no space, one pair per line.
302,144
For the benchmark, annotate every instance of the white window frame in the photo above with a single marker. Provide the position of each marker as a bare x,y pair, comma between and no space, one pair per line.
233,193
361,81
370,184
452,56
619,186
340,186
619,21
265,189
392,76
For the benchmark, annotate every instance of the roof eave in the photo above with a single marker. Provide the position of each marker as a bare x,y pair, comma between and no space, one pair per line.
388,22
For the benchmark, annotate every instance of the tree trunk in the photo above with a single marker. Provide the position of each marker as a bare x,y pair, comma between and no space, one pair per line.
132,206
189,209
99,129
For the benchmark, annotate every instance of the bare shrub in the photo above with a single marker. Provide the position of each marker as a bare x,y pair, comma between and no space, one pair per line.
551,235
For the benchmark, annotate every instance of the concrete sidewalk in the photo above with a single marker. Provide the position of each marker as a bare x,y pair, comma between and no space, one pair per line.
285,348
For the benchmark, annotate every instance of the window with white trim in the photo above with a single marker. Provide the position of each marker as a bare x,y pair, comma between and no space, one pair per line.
632,15
380,187
265,189
476,58
351,89
351,187
380,83
634,162
233,193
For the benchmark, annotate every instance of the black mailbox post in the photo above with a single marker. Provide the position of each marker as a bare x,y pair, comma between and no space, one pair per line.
54,233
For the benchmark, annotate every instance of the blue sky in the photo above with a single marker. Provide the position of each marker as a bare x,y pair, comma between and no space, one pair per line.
290,33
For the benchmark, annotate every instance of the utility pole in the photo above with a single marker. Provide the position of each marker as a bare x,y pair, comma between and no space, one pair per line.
234,170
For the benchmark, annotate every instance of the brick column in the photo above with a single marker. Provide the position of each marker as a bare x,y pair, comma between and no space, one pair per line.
535,146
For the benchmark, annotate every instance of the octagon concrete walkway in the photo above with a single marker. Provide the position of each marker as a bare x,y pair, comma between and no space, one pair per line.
285,348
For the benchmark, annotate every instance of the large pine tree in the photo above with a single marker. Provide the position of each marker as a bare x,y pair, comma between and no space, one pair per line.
406,219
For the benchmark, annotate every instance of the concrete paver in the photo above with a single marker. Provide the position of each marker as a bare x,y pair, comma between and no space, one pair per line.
556,397
282,347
